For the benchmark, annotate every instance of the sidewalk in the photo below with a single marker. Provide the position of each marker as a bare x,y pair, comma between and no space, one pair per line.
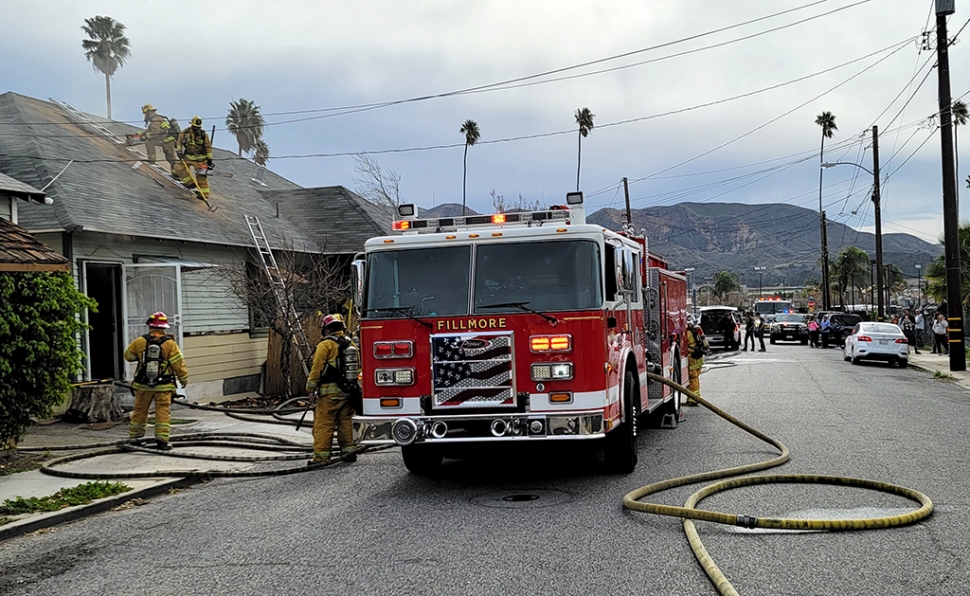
37,484
932,363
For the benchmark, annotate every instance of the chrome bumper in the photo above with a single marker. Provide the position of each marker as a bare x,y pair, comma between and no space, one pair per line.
477,428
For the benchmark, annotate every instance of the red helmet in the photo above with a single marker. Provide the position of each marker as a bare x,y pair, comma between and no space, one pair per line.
332,321
157,321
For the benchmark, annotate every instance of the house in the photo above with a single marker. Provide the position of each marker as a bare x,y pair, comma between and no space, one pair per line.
137,242
19,251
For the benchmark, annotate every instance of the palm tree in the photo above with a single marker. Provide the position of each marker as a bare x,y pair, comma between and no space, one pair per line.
245,123
851,261
584,118
106,48
960,117
260,152
472,134
827,121
725,282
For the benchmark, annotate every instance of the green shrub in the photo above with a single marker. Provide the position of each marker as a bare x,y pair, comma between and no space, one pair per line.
39,355
66,497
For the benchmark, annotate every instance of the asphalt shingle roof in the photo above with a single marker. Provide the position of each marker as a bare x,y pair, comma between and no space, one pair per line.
102,192
15,188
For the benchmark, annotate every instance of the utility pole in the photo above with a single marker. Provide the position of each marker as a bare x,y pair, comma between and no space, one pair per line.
626,193
951,210
826,299
877,210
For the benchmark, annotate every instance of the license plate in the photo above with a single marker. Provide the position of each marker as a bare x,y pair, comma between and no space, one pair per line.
883,341
788,337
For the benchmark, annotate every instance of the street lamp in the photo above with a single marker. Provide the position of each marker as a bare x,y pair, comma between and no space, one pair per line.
877,214
760,271
919,285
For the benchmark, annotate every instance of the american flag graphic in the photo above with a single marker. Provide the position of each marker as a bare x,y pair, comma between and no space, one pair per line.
473,370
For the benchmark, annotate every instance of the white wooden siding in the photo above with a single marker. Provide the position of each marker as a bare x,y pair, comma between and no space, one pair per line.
208,303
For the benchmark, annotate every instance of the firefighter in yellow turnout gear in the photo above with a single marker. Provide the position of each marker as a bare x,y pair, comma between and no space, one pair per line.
159,134
697,347
195,153
160,363
333,409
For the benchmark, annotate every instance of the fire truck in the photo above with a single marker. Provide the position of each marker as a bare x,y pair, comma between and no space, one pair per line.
515,328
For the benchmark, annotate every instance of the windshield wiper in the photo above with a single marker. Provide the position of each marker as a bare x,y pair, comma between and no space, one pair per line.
522,306
407,311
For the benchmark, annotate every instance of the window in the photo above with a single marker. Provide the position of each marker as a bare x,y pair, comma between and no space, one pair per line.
427,281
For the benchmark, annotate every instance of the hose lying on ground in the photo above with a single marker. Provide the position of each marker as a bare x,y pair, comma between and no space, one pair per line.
689,512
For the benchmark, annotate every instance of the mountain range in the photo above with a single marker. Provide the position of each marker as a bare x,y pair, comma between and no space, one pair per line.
738,237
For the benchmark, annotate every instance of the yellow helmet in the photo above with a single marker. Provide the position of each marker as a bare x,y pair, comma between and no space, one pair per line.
147,108
197,121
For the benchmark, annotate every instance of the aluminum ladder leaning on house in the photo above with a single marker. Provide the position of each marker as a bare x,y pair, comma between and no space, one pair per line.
80,117
283,298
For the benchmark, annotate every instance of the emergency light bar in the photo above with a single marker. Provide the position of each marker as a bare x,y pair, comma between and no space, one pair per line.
434,224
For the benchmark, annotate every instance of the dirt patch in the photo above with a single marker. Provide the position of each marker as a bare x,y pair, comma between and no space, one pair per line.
12,461
102,425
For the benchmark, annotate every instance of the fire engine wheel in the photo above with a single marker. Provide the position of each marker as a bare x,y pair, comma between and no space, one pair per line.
422,459
620,450
674,405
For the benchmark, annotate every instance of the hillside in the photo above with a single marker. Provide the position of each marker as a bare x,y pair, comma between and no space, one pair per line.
738,237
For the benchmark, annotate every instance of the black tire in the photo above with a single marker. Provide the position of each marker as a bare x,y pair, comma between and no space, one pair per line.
423,460
620,448
771,340
804,342
855,360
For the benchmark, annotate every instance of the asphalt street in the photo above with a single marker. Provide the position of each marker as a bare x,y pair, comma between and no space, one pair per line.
547,521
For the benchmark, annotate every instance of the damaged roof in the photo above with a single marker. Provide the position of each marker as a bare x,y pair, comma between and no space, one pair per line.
109,190
20,251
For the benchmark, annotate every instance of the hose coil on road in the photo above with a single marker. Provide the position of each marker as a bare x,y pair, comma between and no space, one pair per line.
689,511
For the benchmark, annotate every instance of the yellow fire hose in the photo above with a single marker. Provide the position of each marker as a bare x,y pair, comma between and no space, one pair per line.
689,511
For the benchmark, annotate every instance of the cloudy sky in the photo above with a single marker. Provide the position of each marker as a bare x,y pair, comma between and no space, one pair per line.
694,100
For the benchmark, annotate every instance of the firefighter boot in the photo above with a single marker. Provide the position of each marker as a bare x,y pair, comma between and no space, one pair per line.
162,445
322,457
350,453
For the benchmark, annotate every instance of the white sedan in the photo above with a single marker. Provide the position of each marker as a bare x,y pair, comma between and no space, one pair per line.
872,340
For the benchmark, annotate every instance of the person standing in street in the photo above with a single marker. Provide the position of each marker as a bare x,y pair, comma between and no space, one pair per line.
920,324
824,330
748,330
333,409
940,327
909,330
697,348
759,330
160,363
813,333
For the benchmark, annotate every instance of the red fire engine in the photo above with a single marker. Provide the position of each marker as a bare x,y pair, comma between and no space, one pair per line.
515,327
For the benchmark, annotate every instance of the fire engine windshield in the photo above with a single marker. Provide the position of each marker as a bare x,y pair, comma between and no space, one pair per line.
548,276
428,281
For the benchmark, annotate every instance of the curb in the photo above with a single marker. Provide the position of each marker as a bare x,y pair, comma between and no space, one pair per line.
45,520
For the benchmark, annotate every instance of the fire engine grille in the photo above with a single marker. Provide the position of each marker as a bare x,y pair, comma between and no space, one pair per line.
472,370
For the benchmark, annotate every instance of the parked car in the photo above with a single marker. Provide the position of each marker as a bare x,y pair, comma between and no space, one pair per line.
721,325
872,340
789,327
841,327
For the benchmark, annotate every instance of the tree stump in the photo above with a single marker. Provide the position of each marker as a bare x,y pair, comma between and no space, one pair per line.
95,402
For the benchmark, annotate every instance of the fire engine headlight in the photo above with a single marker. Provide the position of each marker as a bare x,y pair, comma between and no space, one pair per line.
552,371
394,376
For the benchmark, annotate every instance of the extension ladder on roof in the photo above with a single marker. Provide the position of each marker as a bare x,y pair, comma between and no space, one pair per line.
80,117
283,298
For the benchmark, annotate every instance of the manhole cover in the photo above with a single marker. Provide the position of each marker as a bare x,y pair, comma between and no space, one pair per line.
522,499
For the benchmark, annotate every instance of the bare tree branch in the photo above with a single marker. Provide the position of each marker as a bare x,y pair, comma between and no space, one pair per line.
375,184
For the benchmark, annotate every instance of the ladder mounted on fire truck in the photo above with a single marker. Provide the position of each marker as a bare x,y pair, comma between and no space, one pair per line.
283,298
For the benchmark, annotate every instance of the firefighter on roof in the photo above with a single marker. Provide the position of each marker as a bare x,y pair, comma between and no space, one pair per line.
159,364
158,133
334,363
195,154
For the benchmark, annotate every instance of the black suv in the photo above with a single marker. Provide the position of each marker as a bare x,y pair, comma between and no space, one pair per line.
840,328
789,327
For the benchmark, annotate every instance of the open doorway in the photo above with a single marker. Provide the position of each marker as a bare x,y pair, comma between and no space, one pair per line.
102,282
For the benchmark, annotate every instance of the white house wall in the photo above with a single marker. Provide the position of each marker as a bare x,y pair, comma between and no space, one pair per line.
222,358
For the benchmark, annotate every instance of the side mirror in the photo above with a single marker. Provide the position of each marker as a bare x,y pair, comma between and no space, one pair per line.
357,270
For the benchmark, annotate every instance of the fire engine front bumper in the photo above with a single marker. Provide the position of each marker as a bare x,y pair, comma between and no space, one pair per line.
477,428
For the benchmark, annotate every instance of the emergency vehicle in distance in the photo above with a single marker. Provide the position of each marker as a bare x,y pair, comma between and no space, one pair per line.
770,306
515,327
